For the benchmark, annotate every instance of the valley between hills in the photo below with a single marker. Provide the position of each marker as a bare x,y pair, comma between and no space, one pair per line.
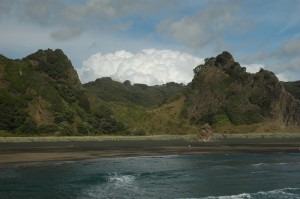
41,95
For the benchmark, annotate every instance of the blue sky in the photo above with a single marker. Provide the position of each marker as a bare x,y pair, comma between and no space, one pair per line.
257,33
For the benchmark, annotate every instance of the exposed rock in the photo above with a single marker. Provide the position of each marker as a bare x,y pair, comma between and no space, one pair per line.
205,133
223,93
224,59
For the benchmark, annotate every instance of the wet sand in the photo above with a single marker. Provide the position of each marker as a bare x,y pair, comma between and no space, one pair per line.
37,151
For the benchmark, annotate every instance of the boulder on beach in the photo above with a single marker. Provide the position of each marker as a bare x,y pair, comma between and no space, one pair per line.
206,133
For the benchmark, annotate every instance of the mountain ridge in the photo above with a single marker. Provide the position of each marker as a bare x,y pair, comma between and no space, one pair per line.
42,94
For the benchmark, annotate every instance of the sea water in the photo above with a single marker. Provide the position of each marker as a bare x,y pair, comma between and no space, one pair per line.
225,176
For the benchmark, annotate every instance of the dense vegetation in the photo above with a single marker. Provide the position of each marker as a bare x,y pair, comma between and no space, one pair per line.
222,93
293,88
42,95
137,94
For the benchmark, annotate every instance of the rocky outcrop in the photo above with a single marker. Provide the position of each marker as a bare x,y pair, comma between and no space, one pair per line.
222,93
205,134
56,65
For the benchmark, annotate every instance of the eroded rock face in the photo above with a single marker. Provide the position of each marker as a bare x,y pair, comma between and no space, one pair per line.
205,133
222,93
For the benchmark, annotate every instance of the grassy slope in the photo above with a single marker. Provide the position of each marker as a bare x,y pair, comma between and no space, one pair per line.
138,94
165,119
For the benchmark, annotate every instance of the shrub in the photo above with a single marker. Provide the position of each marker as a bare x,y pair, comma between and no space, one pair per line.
221,119
139,132
29,126
235,114
12,113
65,129
47,129
83,128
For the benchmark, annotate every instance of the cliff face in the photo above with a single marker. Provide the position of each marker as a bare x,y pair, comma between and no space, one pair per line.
222,92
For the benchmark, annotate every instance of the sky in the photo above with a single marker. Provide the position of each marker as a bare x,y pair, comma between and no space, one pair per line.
157,41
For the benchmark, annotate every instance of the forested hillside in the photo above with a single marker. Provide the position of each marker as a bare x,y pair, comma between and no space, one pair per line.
41,94
222,93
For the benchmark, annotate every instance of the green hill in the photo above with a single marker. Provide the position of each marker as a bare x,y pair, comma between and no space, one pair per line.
41,94
137,94
145,109
222,94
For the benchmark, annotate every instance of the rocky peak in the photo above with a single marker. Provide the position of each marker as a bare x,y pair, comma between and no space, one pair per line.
224,59
56,65
48,56
223,93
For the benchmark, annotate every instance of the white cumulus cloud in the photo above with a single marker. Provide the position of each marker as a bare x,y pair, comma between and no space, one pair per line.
285,76
150,66
253,68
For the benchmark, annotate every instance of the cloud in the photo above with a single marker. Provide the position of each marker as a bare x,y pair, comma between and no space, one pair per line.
283,61
150,66
6,6
66,34
209,25
41,12
67,17
89,9
253,68
254,31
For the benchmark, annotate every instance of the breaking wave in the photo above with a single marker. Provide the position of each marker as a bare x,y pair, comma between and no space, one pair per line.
120,180
288,193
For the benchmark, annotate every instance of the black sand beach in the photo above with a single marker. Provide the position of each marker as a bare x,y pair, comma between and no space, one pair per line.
77,150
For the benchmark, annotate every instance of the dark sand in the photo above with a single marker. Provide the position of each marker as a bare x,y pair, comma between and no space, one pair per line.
78,150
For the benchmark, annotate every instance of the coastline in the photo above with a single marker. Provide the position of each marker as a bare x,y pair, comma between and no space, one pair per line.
39,149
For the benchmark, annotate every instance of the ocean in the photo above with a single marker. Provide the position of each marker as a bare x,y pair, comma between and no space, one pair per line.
225,176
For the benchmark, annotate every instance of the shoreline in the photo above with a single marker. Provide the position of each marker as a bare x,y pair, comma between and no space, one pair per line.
189,137
41,149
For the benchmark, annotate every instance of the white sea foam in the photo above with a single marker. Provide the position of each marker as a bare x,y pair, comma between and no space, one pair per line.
239,196
120,180
116,184
288,193
279,193
258,164
282,163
